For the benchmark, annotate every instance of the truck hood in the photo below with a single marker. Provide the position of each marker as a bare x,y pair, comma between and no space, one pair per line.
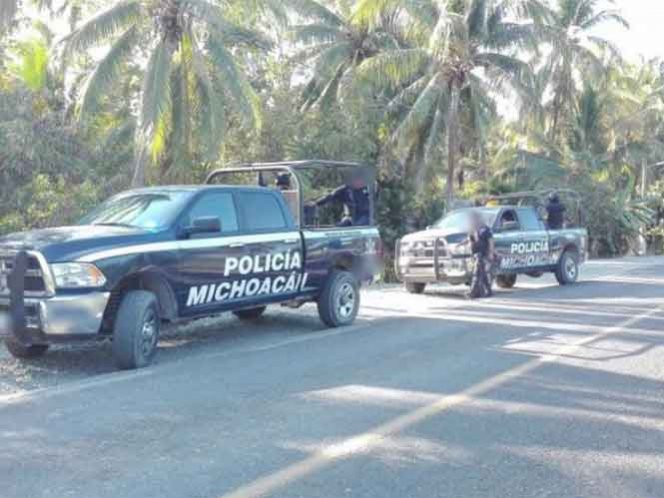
70,243
451,236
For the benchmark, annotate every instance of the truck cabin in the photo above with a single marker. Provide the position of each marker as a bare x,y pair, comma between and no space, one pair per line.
303,184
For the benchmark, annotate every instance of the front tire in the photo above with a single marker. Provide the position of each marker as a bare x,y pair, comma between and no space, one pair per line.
339,302
136,330
567,271
415,287
251,313
18,350
506,281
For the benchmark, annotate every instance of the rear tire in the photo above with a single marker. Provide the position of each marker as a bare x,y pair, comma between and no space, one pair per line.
251,313
339,302
136,330
567,271
506,281
415,287
18,350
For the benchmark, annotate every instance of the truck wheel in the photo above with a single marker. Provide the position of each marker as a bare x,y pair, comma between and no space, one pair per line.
339,302
251,313
567,271
415,287
136,330
506,281
18,350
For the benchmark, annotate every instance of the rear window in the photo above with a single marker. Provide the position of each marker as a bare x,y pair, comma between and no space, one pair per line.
262,211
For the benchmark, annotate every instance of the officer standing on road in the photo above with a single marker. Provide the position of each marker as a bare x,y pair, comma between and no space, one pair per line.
555,212
482,246
355,197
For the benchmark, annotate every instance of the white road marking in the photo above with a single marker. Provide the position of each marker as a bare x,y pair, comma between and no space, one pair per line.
365,442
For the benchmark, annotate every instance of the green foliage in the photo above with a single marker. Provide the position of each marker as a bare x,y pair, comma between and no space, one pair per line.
172,89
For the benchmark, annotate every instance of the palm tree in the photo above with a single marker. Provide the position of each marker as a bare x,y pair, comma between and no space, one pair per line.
461,52
189,75
334,45
574,51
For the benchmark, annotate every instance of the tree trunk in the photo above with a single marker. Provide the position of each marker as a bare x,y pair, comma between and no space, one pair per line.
452,143
138,180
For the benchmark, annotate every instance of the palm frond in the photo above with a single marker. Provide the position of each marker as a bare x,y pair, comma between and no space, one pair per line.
394,68
313,10
313,33
424,12
155,94
243,95
107,71
232,33
420,114
210,111
103,26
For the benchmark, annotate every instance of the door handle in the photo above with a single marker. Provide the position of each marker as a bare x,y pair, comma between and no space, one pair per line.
290,241
236,245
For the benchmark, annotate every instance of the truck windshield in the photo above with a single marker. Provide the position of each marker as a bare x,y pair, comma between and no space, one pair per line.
151,211
460,220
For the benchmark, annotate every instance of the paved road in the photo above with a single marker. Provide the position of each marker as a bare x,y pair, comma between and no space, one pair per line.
540,392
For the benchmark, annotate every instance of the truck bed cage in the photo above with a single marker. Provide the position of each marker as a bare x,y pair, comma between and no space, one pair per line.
516,198
295,169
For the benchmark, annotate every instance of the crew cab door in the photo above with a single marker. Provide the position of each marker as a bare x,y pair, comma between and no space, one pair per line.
507,235
204,281
535,243
275,246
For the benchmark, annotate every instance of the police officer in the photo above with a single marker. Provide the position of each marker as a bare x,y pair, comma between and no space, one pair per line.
483,249
555,212
283,181
355,197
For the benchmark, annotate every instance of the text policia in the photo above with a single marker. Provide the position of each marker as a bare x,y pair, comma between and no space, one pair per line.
525,254
264,285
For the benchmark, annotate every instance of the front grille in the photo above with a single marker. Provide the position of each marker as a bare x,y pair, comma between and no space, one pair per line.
35,284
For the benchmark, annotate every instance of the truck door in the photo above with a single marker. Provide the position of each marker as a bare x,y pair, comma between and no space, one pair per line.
535,244
274,245
507,237
205,270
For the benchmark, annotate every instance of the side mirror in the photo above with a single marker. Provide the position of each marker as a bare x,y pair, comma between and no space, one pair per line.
509,226
206,225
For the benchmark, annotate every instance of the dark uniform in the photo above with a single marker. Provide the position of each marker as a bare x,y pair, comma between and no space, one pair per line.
480,243
555,213
356,202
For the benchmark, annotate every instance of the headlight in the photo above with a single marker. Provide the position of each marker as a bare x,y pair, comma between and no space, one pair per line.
76,275
462,249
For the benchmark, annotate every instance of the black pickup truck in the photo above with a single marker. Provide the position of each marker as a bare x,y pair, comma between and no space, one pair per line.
524,244
166,254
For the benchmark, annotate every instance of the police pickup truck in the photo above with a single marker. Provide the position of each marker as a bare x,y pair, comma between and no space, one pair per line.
523,243
166,254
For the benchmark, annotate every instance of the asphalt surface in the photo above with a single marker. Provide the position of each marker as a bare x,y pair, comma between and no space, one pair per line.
542,391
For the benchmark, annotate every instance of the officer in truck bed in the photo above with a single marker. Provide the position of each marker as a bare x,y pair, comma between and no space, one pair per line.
355,197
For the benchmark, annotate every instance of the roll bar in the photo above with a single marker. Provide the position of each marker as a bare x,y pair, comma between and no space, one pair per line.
295,169
518,198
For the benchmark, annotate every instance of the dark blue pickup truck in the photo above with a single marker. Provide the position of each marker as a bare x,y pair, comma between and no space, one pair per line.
167,254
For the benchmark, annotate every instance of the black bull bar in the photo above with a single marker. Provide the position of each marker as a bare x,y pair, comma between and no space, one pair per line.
16,284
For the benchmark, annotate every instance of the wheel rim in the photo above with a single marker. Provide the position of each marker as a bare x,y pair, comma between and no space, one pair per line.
149,333
570,268
346,300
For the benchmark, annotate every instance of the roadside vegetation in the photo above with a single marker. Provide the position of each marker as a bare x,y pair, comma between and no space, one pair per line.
450,99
